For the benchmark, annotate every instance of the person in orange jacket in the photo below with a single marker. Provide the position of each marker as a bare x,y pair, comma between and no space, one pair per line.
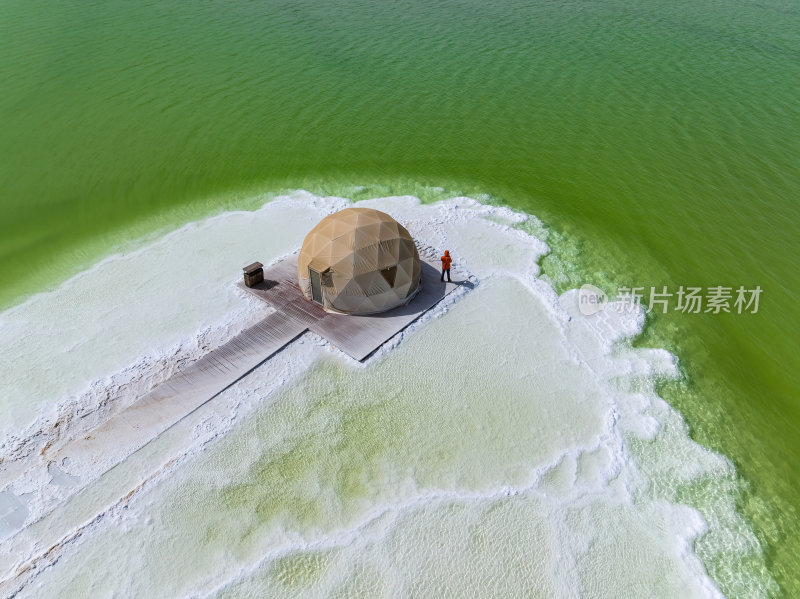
446,262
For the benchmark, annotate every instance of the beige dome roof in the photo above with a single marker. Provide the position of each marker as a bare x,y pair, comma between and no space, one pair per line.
368,262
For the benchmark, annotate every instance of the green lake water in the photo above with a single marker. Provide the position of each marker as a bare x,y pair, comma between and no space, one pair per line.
659,143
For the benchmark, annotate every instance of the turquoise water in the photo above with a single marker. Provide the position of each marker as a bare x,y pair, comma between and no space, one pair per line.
658,143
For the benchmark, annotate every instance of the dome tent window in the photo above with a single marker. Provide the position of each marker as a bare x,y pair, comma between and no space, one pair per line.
390,274
359,261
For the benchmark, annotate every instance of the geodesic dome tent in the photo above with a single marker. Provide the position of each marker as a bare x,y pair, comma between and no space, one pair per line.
359,261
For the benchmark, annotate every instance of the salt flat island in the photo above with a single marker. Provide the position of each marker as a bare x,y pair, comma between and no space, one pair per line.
343,422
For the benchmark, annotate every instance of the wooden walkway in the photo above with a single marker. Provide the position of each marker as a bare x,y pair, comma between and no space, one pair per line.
183,393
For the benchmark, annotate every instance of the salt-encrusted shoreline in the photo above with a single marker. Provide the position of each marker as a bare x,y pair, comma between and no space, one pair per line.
472,232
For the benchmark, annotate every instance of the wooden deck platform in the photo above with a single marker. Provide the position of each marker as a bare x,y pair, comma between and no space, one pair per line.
357,336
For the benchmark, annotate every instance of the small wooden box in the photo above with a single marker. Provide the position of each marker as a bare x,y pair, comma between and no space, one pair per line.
253,274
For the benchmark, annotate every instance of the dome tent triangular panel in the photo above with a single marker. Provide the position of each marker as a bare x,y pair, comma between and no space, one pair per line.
365,235
352,250
389,230
339,228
